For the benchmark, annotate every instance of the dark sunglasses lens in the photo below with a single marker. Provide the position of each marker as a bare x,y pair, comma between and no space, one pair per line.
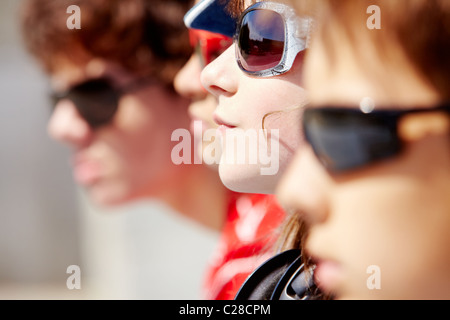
349,139
96,100
261,40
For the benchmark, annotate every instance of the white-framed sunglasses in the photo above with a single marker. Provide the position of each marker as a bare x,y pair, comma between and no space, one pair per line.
268,37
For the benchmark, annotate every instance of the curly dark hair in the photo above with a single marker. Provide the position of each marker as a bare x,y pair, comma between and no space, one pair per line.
144,36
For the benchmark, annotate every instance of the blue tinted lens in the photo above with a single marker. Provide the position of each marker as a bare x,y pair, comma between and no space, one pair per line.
261,40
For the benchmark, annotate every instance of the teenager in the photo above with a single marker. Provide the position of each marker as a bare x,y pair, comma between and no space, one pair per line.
258,89
251,221
260,97
114,101
374,185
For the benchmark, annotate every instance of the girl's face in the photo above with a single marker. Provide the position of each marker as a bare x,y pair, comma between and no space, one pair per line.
207,47
201,110
243,103
129,157
253,160
380,231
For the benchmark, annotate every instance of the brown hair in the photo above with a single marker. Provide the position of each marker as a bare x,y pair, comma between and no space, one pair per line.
144,36
419,29
236,7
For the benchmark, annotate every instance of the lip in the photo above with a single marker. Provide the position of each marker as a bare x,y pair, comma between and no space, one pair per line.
205,125
328,274
86,171
223,124
196,118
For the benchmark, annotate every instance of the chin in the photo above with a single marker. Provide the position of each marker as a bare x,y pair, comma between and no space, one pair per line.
109,197
246,179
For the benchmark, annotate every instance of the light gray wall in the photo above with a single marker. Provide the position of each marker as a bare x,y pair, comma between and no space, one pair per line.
37,197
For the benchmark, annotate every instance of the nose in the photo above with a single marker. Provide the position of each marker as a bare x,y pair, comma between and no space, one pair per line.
305,187
187,81
67,126
221,77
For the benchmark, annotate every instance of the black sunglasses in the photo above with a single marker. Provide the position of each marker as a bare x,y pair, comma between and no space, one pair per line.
344,138
97,99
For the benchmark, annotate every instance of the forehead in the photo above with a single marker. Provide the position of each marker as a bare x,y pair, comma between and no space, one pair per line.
344,71
68,72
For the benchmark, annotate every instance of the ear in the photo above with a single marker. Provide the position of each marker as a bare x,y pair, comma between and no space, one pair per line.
417,126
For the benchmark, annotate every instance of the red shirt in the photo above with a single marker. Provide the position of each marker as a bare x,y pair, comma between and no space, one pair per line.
245,243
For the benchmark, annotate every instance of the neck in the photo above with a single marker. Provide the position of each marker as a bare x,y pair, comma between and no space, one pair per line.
196,192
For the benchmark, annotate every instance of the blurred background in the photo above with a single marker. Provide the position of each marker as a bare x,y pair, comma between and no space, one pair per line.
142,251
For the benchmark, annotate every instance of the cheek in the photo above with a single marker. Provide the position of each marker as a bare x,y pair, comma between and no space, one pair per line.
272,97
397,225
143,139
287,133
276,104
